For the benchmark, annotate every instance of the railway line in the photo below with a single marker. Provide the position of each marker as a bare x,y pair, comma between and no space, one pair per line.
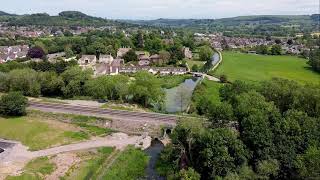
114,114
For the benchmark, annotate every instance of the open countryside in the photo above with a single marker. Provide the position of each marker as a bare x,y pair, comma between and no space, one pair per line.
160,90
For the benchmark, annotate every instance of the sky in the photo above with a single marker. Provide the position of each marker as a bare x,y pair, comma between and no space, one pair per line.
154,9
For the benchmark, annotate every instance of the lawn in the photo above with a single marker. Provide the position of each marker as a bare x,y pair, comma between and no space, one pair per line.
254,68
40,130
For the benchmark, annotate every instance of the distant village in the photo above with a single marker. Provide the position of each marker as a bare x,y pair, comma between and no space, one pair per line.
107,64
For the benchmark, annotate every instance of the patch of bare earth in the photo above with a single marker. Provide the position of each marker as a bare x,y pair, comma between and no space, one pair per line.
63,163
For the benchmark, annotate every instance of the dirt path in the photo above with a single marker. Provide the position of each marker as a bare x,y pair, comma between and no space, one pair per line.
14,159
120,141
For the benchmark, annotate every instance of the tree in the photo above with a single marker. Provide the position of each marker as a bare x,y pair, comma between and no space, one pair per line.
205,53
314,59
68,51
276,50
130,56
218,152
308,163
140,40
164,56
36,52
189,174
278,41
262,49
50,83
146,89
268,168
290,42
281,91
13,104
25,81
195,68
4,82
75,79
220,114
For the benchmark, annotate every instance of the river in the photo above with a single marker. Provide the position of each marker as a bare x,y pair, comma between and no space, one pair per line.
154,152
172,102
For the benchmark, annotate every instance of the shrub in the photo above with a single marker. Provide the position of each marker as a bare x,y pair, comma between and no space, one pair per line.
13,104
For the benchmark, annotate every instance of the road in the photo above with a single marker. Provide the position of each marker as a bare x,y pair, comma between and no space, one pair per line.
107,113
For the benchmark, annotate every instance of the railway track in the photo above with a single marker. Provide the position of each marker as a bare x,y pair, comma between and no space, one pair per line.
86,110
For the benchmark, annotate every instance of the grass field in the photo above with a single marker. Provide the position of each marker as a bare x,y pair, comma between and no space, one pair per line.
254,68
39,130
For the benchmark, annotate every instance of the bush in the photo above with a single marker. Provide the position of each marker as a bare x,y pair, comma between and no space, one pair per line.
223,78
13,104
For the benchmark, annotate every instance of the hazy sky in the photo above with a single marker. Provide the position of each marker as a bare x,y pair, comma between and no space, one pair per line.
153,9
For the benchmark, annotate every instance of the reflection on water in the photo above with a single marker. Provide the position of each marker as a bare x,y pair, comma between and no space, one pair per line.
154,152
173,103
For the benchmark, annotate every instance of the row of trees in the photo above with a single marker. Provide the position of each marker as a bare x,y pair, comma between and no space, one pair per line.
145,89
275,134
272,50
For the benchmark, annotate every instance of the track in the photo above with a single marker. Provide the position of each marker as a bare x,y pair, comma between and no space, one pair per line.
117,114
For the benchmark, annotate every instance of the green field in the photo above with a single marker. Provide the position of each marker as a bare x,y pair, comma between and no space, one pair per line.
39,130
254,68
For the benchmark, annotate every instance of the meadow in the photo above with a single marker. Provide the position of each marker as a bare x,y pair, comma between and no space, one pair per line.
254,68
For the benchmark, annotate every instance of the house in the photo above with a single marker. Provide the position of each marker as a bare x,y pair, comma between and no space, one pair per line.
187,53
156,59
154,70
122,51
87,61
144,63
140,53
13,52
108,66
105,58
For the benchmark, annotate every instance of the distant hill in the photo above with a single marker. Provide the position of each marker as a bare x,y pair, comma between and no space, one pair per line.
65,18
277,25
262,19
6,14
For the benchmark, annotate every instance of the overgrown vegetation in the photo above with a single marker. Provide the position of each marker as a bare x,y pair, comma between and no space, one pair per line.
130,164
91,163
35,170
267,131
